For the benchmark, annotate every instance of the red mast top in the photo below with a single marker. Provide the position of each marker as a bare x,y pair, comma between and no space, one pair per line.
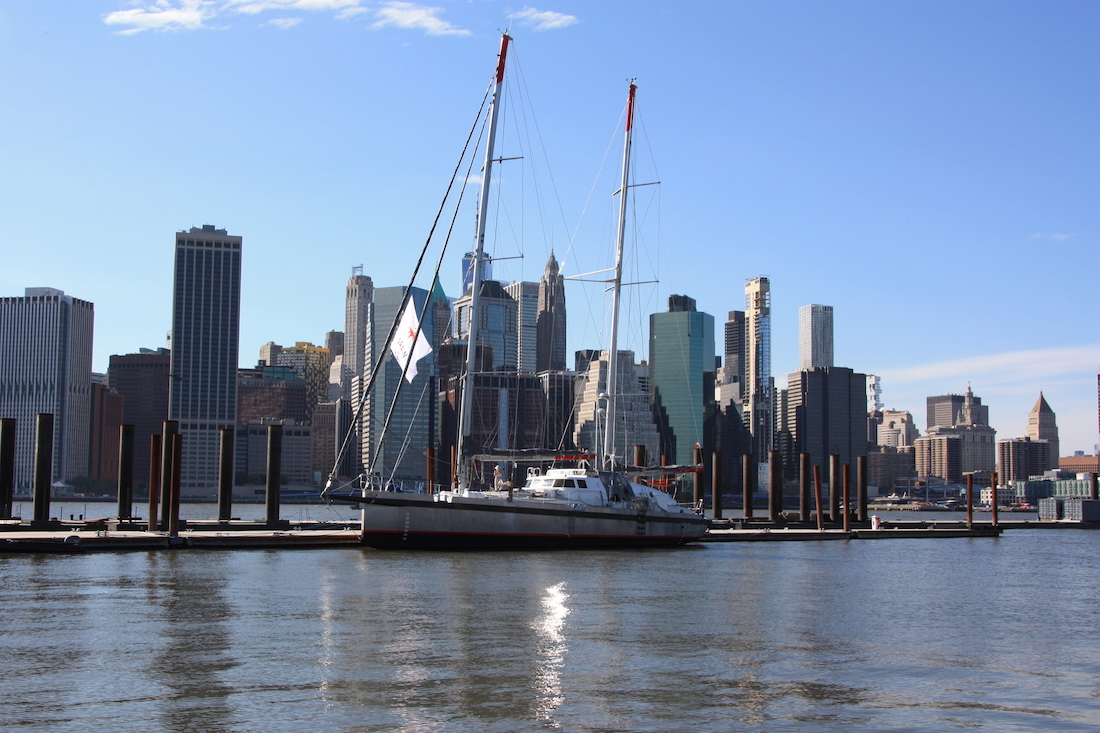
503,54
630,107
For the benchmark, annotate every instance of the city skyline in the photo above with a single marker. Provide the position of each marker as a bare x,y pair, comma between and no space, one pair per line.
846,196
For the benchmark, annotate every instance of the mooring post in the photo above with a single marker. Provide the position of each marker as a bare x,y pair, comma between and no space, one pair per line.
225,473
834,487
861,487
664,460
168,429
775,485
748,482
43,468
174,488
429,456
639,456
125,472
804,487
1093,492
817,495
969,500
697,477
274,469
7,466
847,498
716,484
993,498
154,480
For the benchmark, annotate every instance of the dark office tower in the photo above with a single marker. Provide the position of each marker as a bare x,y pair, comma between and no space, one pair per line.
46,366
946,410
142,380
681,366
106,413
334,342
206,309
357,305
826,413
731,377
551,319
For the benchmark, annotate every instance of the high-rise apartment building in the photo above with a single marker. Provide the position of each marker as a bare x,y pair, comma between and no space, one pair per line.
1041,425
681,376
526,295
551,322
357,320
815,336
142,380
311,364
46,367
206,312
1021,458
757,400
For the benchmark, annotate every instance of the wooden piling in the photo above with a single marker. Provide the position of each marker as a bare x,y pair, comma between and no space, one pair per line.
847,498
715,484
175,488
834,487
748,483
125,472
154,480
775,485
639,456
697,477
993,498
274,470
225,473
454,467
804,478
1093,492
969,500
7,466
168,429
817,495
43,468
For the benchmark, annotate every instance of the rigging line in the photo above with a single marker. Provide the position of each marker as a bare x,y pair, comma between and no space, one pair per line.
423,311
407,440
595,181
397,318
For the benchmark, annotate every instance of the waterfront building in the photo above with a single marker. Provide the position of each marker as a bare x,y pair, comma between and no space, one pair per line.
357,319
296,467
311,364
634,420
1080,463
551,320
103,434
1021,458
526,295
142,380
206,302
757,408
815,336
826,414
939,456
1042,425
46,367
681,377
498,325
271,392
890,468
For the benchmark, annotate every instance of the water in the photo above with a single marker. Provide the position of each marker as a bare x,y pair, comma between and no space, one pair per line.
898,635
74,509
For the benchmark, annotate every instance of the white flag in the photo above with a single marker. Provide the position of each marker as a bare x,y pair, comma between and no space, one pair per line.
408,339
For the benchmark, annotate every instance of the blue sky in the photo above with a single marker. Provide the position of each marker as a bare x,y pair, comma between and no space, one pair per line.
929,169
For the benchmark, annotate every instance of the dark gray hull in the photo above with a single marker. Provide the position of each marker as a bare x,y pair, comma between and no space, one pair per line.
419,522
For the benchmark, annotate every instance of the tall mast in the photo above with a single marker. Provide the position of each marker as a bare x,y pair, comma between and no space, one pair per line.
616,287
475,285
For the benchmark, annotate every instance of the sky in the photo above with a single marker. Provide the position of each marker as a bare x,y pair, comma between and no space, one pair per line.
929,169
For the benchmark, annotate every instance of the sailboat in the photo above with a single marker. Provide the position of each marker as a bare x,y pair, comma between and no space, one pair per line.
578,506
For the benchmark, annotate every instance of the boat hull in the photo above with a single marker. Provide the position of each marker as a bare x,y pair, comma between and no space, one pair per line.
420,522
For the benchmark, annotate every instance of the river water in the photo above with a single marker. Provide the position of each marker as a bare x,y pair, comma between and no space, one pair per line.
899,635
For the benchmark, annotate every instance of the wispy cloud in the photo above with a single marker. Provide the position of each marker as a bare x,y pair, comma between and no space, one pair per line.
416,17
1054,236
543,20
161,15
284,23
1010,367
253,7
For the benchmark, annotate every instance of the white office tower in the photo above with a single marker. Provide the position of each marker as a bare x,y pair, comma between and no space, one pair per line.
815,336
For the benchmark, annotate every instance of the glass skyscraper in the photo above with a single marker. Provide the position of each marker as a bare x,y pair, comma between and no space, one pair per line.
206,309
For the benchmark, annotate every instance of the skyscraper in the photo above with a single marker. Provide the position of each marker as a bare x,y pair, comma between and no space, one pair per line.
634,419
497,325
681,376
757,399
46,366
357,304
827,414
815,336
1041,425
206,313
976,450
526,295
551,319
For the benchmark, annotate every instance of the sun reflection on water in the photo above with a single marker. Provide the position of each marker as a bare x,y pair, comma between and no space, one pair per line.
550,654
